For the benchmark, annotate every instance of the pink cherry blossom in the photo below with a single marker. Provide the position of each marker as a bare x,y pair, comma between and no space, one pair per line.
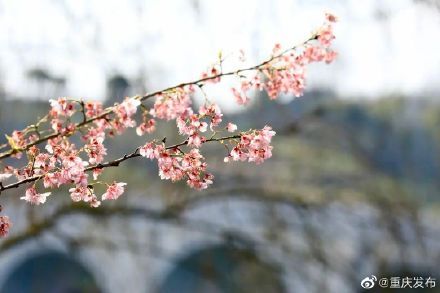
212,74
171,105
196,140
231,127
94,202
114,191
200,183
149,151
93,109
146,127
79,193
212,111
83,193
97,132
96,150
285,73
325,35
51,180
72,170
125,112
169,168
253,147
42,164
62,107
174,166
33,197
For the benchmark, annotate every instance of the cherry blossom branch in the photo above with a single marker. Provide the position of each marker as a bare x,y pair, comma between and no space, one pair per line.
136,153
61,162
113,163
110,110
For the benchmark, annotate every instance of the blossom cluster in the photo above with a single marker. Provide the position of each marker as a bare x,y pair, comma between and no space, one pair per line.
172,104
61,162
285,72
253,147
175,165
77,164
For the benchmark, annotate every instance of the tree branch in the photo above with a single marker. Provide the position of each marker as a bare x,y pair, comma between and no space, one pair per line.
110,110
113,163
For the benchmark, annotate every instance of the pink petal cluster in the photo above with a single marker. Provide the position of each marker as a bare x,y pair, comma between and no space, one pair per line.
33,197
125,112
84,193
64,165
196,124
193,127
114,191
286,72
61,111
171,105
325,33
175,165
253,147
231,127
147,126
150,150
62,107
72,170
96,150
5,225
212,74
213,112
93,108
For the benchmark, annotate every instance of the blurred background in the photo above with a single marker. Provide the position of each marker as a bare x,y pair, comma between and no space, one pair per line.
352,190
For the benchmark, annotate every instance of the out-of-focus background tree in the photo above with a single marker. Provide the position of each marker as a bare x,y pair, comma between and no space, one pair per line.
352,189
